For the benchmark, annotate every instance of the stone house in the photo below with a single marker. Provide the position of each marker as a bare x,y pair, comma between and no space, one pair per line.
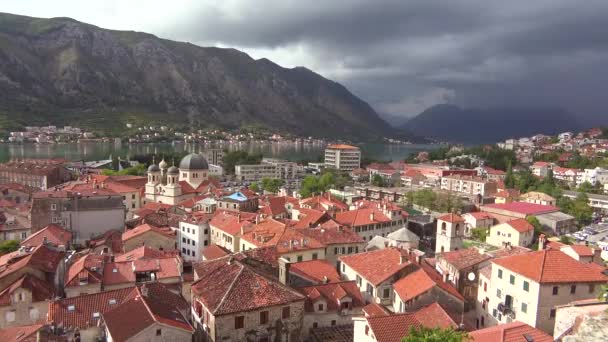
163,238
24,302
518,232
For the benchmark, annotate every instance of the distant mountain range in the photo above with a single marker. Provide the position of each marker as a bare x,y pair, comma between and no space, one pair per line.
474,126
62,71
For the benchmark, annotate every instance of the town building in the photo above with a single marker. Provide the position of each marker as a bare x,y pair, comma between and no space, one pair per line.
375,219
536,197
227,227
161,238
477,219
82,316
469,185
517,232
172,185
510,332
594,176
330,305
40,174
85,214
596,201
193,236
541,169
461,268
51,235
84,275
242,200
375,272
450,232
214,155
569,317
268,168
394,327
528,287
231,301
342,157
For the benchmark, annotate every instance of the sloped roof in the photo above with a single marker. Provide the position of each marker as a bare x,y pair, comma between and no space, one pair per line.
224,283
403,234
464,258
88,266
214,251
362,217
331,236
521,225
41,290
413,285
552,266
316,270
229,223
41,258
394,327
332,293
522,208
25,333
510,332
52,234
146,228
451,217
376,266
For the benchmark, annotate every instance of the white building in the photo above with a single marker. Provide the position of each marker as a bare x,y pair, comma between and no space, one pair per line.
193,236
450,232
594,176
342,157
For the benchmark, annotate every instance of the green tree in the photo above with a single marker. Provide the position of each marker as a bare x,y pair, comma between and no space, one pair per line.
8,246
377,180
254,187
566,240
326,181
479,234
586,187
424,334
271,184
425,198
310,186
509,177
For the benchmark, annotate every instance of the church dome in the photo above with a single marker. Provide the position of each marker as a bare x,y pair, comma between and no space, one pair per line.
173,170
153,168
193,161
163,164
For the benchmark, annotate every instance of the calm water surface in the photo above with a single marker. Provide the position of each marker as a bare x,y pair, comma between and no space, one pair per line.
90,151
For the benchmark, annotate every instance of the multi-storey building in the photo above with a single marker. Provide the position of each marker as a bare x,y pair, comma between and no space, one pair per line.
41,174
193,236
342,157
86,213
529,286
469,185
268,168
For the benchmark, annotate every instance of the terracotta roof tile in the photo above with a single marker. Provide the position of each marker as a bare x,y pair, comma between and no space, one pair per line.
229,223
413,285
146,228
582,250
214,251
464,258
377,266
362,217
41,290
522,208
374,310
342,147
316,270
552,266
394,327
521,225
510,332
24,333
332,293
88,267
52,234
331,236
224,282
453,218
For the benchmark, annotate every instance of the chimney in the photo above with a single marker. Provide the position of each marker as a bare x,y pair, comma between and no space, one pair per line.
325,280
144,290
238,217
257,219
403,259
284,266
542,242
371,216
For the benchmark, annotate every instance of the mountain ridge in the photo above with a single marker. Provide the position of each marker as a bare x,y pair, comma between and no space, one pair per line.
63,71
487,125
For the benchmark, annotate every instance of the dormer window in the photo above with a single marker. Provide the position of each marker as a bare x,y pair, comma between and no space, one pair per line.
95,314
71,308
112,301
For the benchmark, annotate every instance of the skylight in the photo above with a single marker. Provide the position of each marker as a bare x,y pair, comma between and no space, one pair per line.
71,307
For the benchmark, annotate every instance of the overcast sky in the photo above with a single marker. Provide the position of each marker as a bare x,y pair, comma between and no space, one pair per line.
401,56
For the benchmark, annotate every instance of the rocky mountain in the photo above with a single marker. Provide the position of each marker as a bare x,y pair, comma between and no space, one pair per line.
62,71
476,125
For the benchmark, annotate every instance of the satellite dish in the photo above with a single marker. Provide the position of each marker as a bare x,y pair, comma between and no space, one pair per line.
471,276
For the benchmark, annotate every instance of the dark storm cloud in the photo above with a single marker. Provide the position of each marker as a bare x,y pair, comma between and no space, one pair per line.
402,56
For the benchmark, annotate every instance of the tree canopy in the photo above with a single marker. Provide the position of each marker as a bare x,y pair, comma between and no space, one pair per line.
424,334
8,246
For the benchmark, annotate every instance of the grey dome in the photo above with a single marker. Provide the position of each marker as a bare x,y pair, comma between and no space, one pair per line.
153,168
193,161
173,170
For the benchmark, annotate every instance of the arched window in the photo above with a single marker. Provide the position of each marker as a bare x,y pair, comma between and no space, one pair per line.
442,249
457,229
443,228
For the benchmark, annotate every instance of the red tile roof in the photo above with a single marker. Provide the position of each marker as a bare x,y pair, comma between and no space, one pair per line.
77,312
229,223
310,218
510,332
332,236
275,206
394,327
413,285
214,251
224,283
144,252
111,239
332,294
40,290
124,272
523,208
52,234
374,310
451,217
437,278
362,217
342,147
133,316
24,333
521,225
582,250
464,258
88,267
41,258
377,266
146,228
316,270
552,266
323,202
479,215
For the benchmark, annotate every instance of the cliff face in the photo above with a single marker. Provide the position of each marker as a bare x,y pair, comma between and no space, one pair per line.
66,72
